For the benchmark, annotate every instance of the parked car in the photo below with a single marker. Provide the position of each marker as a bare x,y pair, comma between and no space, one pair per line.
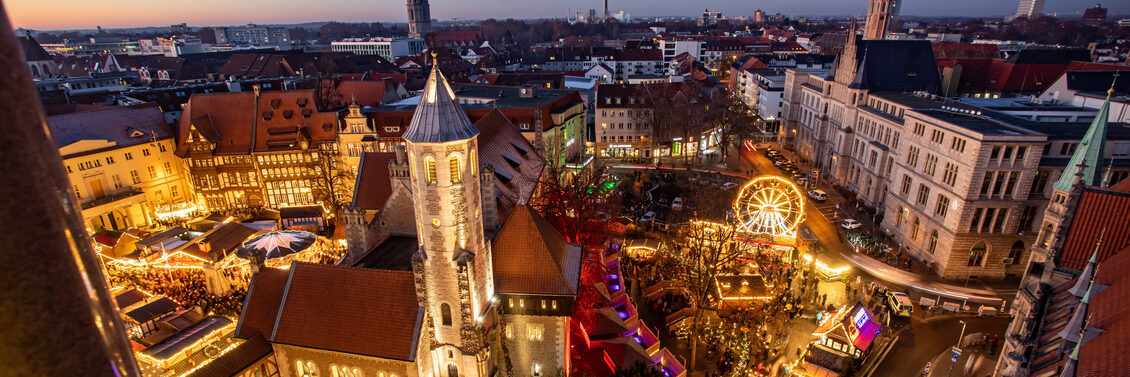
677,204
850,224
818,195
780,163
647,217
729,186
899,303
802,181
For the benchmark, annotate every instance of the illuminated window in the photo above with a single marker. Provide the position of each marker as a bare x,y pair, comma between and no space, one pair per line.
430,165
306,369
473,163
535,331
933,244
344,371
509,332
555,304
977,254
456,173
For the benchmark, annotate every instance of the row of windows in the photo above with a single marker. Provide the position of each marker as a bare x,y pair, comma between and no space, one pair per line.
454,165
614,138
1000,183
534,331
96,163
621,126
988,220
1006,153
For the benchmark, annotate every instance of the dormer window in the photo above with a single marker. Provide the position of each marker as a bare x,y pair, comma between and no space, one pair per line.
267,115
275,102
287,114
306,113
302,102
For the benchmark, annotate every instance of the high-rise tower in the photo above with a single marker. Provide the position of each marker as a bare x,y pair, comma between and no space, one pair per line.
880,17
454,278
1029,9
419,18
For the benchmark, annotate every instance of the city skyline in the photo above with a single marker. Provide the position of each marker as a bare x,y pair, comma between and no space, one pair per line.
73,14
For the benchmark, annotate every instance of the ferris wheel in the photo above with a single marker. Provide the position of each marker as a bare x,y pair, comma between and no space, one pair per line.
769,205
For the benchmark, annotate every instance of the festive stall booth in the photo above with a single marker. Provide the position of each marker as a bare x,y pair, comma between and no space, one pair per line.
848,332
305,218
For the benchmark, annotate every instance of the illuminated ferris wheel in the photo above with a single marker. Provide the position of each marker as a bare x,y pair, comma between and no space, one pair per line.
769,205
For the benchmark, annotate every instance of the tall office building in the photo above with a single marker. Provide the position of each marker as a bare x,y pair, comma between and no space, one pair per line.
419,18
880,17
1029,9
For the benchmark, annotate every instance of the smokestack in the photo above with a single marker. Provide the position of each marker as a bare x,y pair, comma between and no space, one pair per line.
605,10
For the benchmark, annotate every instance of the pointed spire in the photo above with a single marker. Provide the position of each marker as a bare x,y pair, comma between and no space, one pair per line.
1073,332
1084,283
438,117
1072,360
1087,160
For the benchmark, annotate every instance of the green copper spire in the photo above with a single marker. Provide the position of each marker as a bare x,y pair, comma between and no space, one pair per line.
1090,151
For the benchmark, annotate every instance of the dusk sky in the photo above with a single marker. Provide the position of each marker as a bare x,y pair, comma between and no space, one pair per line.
85,14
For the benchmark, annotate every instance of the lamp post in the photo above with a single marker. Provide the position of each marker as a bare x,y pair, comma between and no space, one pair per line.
962,335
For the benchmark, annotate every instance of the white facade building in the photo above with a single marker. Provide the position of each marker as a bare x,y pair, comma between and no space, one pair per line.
388,48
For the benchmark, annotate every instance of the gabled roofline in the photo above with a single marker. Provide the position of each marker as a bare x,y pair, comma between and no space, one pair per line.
282,301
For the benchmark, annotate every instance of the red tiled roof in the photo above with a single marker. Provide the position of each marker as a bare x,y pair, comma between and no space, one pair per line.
223,118
353,310
1104,355
955,50
1098,210
374,185
530,257
274,121
262,303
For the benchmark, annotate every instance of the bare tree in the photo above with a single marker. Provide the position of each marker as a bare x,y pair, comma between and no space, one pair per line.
668,111
703,250
736,121
577,202
331,182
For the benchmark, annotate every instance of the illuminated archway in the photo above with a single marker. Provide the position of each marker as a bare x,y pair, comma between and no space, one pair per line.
771,206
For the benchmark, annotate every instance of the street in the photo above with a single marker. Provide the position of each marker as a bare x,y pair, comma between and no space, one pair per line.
923,340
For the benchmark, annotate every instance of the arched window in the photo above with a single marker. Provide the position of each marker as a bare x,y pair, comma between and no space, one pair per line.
1046,235
933,242
914,229
898,217
456,172
306,369
1016,252
445,313
474,164
430,166
34,70
977,254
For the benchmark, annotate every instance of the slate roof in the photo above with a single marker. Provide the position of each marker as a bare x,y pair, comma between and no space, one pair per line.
360,311
115,124
1097,81
438,117
374,186
237,360
152,310
530,257
394,253
902,65
517,165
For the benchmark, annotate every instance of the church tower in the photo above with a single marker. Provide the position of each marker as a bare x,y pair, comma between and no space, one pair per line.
846,65
419,18
881,15
454,279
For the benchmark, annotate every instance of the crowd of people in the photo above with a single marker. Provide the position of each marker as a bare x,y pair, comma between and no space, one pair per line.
184,286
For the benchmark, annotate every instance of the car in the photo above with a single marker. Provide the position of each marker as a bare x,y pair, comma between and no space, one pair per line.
818,195
729,186
899,303
850,224
780,163
802,181
647,217
677,204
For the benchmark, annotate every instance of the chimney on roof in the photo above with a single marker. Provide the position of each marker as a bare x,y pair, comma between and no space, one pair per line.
539,143
526,91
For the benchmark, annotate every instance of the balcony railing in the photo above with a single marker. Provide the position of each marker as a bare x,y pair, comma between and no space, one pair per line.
107,199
